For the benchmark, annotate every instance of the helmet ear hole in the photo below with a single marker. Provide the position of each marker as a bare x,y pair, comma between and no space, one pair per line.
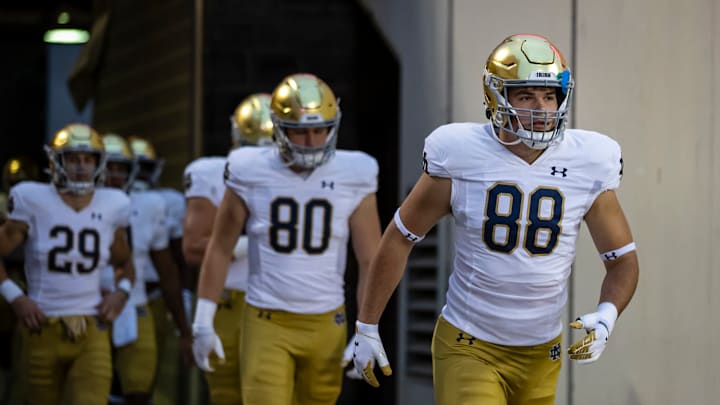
488,113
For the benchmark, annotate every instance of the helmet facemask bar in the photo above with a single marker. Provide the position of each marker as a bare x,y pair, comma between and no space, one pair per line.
508,118
59,175
301,156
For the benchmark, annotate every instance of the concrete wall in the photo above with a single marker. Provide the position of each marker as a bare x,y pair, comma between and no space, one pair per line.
648,74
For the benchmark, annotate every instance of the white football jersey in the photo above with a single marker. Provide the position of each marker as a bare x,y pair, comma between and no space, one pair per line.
516,226
175,206
204,179
66,249
149,232
174,215
298,225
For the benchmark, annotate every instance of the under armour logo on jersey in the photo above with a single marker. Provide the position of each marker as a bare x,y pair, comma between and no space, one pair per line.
96,215
328,184
411,237
610,256
462,336
425,163
555,352
559,171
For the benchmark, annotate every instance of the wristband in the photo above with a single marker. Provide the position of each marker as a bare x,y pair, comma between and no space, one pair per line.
204,313
608,315
125,286
10,290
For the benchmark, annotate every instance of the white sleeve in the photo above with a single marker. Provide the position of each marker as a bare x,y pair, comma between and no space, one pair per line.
122,219
198,185
435,156
18,208
613,168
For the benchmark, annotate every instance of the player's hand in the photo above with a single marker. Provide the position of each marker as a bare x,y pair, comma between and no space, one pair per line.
111,305
206,341
368,349
28,312
347,358
598,326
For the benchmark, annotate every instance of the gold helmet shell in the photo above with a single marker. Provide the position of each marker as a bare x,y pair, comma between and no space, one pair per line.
527,60
251,122
303,100
75,138
116,148
147,167
17,169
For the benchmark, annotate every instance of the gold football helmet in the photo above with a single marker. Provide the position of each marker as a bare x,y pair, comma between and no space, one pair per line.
75,138
147,167
17,169
251,122
527,60
304,101
117,151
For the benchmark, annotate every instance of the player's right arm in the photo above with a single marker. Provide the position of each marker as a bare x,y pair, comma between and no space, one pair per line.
426,204
229,223
428,201
197,228
12,234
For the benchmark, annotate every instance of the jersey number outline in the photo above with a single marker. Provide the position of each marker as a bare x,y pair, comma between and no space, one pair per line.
88,245
289,226
536,222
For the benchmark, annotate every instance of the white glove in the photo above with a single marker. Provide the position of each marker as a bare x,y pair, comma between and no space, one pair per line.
347,357
599,326
368,348
205,340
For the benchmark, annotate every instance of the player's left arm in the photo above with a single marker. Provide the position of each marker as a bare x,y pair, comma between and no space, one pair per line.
613,239
610,232
365,233
121,260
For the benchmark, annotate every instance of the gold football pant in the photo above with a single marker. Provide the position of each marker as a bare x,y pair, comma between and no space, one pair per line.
468,371
53,364
224,382
292,358
136,362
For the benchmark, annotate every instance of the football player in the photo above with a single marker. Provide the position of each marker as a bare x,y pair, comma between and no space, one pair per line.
299,203
204,190
518,189
150,249
72,229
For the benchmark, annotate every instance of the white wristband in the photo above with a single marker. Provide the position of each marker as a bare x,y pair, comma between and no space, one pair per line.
608,315
204,313
366,328
124,285
241,247
404,231
10,290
